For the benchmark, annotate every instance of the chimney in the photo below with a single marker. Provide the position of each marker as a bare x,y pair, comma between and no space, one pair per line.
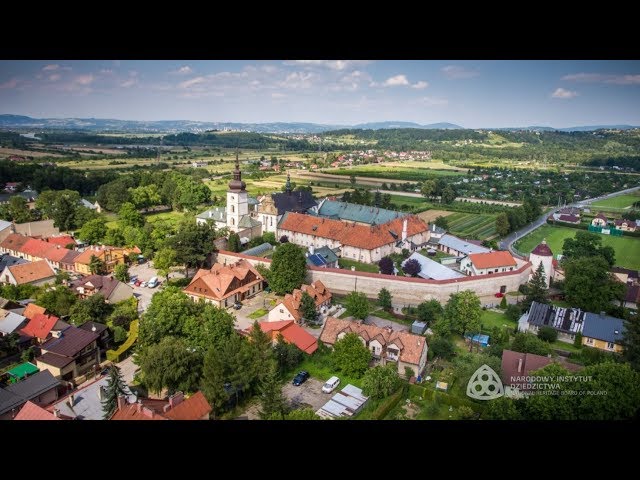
176,399
312,249
404,229
101,393
122,401
70,400
520,365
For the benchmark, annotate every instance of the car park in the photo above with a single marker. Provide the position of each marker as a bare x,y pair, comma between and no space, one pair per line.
143,285
331,384
300,378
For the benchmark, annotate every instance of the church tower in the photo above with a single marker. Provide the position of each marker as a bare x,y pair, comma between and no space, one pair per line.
542,254
237,205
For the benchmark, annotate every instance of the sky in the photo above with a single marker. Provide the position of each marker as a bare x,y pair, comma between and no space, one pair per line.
472,94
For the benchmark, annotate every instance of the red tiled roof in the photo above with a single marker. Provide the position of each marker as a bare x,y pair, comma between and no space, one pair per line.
530,363
31,272
32,310
292,333
218,282
630,223
492,259
543,250
14,241
85,257
131,411
31,411
40,325
56,254
568,218
36,248
62,240
349,233
602,216
193,408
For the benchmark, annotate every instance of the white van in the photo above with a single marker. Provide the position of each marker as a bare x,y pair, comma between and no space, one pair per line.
153,283
331,385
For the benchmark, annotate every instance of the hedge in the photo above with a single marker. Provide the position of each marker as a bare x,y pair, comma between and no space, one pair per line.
446,398
388,405
579,226
114,355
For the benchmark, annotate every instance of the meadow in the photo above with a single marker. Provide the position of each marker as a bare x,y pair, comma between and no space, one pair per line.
619,202
472,225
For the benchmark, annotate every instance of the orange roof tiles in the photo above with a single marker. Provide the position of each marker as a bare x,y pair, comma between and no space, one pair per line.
31,272
14,241
31,411
348,233
492,259
56,254
411,346
36,248
292,333
134,411
316,290
223,280
62,240
193,408
32,310
40,325
85,257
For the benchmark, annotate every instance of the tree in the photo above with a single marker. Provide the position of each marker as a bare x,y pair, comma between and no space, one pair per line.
269,237
537,287
513,312
503,302
441,222
380,382
192,242
502,224
429,311
350,355
547,334
384,299
114,237
272,400
589,285
121,272
631,342
503,408
412,267
302,414
168,313
284,239
115,387
97,266
286,354
529,343
163,260
213,381
145,196
442,347
357,305
308,308
93,232
92,308
129,216
386,265
428,188
9,343
448,195
288,269
587,244
57,300
59,206
124,313
234,244
16,210
171,364
463,312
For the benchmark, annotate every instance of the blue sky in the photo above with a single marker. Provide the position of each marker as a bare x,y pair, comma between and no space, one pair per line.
469,93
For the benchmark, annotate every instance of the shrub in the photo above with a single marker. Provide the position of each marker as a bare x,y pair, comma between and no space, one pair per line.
503,303
547,334
388,405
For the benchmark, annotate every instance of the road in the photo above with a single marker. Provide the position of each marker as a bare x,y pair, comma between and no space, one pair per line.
507,242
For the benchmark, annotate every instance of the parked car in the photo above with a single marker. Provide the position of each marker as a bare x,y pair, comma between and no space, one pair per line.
138,283
153,283
499,295
133,279
237,305
143,284
300,378
331,384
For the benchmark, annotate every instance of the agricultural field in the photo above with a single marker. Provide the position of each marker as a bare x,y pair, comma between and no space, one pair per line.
6,152
619,202
430,215
479,226
402,172
627,248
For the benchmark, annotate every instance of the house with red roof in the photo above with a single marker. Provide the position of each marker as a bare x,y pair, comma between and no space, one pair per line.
517,368
488,263
289,307
600,220
31,411
37,273
626,225
61,240
177,407
32,310
291,333
40,326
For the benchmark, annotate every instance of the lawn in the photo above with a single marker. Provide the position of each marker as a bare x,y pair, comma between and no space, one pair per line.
359,266
627,248
261,312
621,201
472,225
319,366
171,217
492,319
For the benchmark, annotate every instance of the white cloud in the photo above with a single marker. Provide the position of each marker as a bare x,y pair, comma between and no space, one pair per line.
630,79
420,85
130,82
84,79
396,81
434,101
456,72
11,83
187,84
54,77
298,80
50,68
184,70
330,64
563,93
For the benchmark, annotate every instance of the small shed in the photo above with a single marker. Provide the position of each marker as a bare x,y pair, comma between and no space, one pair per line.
442,386
418,327
22,371
483,340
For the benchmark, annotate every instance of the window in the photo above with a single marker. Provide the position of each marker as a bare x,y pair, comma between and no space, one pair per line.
589,341
233,208
609,345
232,221
281,310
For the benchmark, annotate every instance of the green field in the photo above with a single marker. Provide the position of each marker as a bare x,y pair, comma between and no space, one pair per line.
359,266
415,174
472,225
491,319
627,248
621,201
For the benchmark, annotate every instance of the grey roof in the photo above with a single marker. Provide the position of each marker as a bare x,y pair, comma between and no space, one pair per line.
86,402
8,260
356,213
9,401
432,270
4,224
71,341
461,245
247,222
87,204
10,321
568,320
322,256
603,327
259,250
433,228
252,201
217,214
35,385
299,201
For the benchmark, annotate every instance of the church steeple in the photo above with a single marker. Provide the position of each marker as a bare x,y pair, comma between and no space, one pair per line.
237,185
287,187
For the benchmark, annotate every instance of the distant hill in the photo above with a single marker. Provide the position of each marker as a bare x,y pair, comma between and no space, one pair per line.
588,128
386,125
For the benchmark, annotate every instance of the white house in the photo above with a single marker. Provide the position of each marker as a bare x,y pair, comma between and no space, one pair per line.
488,263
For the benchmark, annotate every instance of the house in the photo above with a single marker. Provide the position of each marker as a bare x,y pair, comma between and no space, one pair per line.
600,220
40,326
290,201
69,353
289,307
68,262
37,273
32,310
569,211
111,256
86,402
430,269
5,229
224,285
435,233
357,242
632,297
603,332
346,403
41,389
626,275
112,289
568,322
31,411
386,345
458,247
573,219
291,333
12,244
104,339
322,257
516,368
61,240
177,407
10,322
352,212
488,263
626,225
6,260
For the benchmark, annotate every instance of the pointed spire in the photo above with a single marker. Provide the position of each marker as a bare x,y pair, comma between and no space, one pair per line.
237,184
